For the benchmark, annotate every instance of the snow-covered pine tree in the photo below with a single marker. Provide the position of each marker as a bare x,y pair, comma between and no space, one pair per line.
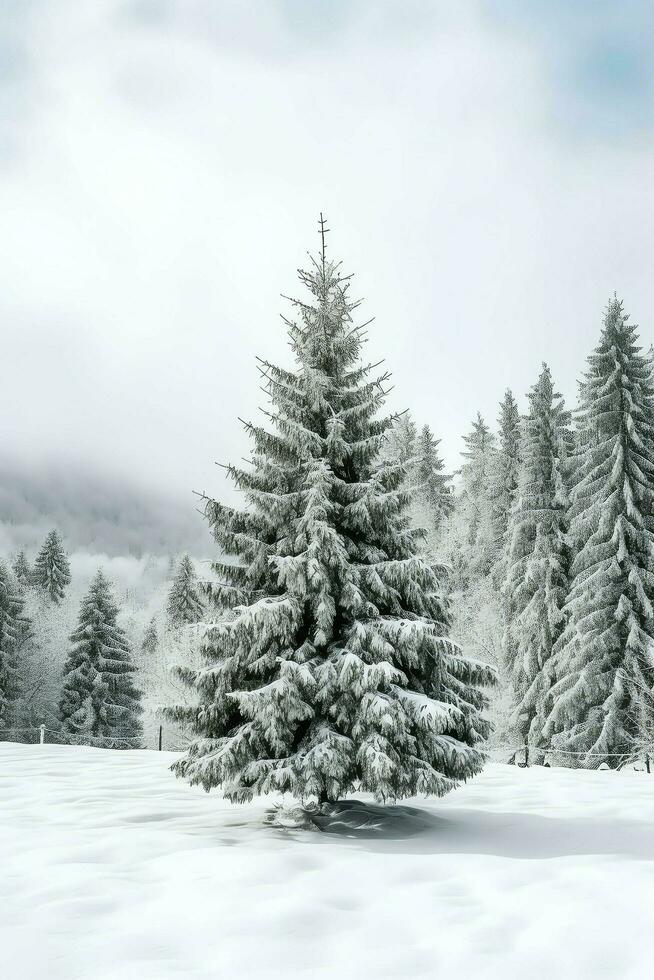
468,546
150,640
331,668
431,499
506,468
43,656
604,656
22,570
100,700
475,502
401,441
536,561
14,631
433,482
185,605
52,569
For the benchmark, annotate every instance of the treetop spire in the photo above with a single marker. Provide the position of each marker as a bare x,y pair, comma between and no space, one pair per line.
323,244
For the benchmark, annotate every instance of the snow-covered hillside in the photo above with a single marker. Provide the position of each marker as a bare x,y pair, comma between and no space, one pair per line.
113,870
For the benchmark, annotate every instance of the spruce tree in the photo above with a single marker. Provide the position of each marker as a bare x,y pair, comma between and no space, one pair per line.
150,640
22,570
100,700
431,499
14,631
401,441
52,569
184,603
432,480
506,469
331,668
537,560
604,657
475,504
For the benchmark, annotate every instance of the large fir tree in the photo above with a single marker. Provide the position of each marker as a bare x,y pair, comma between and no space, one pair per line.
100,700
185,605
331,668
537,559
52,569
604,657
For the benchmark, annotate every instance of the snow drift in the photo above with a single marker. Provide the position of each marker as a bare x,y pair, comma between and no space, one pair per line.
115,870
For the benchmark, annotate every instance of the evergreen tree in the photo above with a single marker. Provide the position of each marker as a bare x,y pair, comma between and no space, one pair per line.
506,470
150,640
433,482
401,441
431,499
99,698
477,550
14,633
537,559
184,603
52,569
22,570
604,656
331,668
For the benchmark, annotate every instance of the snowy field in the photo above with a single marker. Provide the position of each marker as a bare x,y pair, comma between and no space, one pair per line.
114,870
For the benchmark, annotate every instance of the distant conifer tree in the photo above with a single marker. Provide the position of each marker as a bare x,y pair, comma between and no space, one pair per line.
150,640
401,439
52,569
604,657
537,560
184,603
22,570
100,699
432,500
433,482
14,631
506,468
476,500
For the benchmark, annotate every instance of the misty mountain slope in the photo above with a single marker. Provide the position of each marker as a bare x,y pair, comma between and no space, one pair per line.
95,512
520,873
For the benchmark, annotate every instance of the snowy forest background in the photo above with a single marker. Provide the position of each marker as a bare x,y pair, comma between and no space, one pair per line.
147,240
544,530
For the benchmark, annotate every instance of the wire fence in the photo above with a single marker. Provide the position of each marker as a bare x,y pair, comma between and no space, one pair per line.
43,734
526,755
522,756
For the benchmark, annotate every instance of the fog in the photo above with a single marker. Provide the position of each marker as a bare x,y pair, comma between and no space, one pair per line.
485,169
102,516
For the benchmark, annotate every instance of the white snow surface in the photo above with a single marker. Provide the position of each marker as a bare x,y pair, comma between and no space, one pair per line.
112,869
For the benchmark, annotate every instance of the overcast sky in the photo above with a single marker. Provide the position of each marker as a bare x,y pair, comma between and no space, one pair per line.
487,169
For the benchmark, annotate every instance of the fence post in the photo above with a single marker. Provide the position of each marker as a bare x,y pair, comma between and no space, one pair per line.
160,736
647,763
41,734
526,756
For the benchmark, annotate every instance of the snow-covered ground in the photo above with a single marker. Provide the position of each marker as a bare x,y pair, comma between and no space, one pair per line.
114,870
